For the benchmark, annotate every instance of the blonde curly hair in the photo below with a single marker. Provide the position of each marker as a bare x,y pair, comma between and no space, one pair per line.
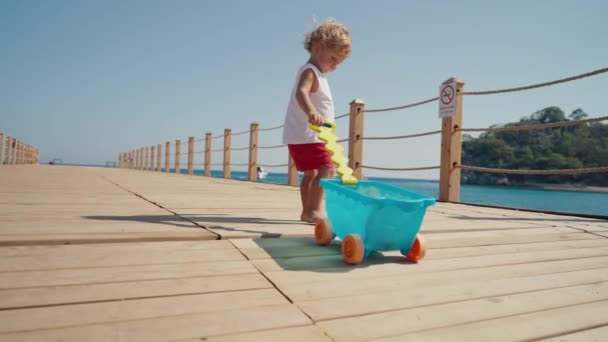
331,34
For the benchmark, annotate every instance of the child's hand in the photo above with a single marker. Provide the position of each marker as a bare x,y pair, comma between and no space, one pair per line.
315,118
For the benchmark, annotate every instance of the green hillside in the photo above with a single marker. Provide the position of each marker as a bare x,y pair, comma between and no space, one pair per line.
573,147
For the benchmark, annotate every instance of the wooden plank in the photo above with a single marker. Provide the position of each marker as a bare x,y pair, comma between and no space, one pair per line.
201,325
241,223
299,334
446,253
305,247
395,323
331,308
85,293
79,256
395,282
117,311
327,275
591,335
79,238
27,279
312,265
521,327
78,205
110,249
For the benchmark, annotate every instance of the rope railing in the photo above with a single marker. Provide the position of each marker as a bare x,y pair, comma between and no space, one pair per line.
271,147
269,129
538,85
403,136
411,105
534,172
538,126
16,152
399,168
451,153
240,133
273,165
342,116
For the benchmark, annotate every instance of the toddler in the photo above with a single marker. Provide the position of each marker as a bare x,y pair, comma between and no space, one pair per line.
329,44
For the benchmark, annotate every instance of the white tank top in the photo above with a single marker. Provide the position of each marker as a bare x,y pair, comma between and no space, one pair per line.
296,130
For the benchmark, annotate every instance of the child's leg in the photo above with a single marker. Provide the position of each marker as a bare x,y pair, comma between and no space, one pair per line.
305,195
317,193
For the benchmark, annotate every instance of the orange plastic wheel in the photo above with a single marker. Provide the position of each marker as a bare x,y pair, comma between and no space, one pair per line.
353,250
418,250
324,233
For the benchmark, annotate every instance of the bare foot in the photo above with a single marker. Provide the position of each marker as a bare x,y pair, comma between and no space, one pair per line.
311,217
308,218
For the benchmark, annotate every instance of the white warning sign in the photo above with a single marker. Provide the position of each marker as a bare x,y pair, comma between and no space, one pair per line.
447,100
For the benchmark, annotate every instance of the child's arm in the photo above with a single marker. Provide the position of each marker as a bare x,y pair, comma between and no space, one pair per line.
308,84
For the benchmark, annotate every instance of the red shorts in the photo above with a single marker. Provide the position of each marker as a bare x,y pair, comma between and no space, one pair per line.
310,156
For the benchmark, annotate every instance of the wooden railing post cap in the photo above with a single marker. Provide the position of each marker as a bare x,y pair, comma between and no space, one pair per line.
357,101
454,79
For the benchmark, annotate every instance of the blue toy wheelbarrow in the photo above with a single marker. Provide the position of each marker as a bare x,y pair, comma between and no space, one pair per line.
368,215
372,216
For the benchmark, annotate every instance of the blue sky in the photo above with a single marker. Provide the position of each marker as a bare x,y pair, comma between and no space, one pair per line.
85,80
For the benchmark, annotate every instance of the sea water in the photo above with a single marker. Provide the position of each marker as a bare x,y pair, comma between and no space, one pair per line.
579,202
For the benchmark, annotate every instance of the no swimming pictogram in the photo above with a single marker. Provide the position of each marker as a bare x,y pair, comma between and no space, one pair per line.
447,99
447,94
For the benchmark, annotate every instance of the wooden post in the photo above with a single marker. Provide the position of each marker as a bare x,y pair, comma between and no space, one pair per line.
191,156
227,139
7,154
208,154
18,153
178,155
355,141
1,145
159,156
22,146
13,151
292,172
147,165
451,150
167,155
152,155
253,152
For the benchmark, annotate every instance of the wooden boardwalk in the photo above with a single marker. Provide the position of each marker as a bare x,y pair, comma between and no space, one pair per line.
97,254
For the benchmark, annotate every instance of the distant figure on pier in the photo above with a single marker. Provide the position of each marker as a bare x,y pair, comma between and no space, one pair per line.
329,44
262,173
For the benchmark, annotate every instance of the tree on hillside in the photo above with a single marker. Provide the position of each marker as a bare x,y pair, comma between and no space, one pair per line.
571,147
